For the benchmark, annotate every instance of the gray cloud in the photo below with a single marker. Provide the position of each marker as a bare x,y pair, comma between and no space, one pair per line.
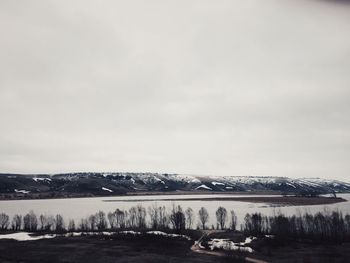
229,88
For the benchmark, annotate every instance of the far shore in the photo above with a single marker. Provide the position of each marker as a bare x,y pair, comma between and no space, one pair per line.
204,192
65,195
274,200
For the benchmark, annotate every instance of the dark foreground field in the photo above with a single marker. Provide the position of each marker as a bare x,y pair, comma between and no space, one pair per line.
288,250
102,249
132,249
296,252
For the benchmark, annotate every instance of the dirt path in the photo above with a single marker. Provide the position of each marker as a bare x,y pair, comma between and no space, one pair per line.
254,260
197,249
196,246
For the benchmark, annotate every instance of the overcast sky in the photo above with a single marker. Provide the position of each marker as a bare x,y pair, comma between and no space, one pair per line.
199,87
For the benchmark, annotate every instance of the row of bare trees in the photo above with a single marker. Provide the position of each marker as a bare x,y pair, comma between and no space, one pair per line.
320,227
30,222
137,217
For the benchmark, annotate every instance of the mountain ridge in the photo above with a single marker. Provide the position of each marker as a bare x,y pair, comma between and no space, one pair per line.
120,183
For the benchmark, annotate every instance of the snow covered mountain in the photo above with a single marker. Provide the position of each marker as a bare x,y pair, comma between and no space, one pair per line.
100,184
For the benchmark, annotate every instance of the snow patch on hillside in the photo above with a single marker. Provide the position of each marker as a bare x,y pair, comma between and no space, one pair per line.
22,191
41,179
292,185
106,189
195,181
203,186
217,183
183,178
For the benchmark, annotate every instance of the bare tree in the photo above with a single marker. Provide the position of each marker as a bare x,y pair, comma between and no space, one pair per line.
43,221
17,222
71,225
101,222
111,219
158,217
47,223
125,221
84,224
253,224
30,222
233,220
221,216
154,216
163,217
189,217
92,222
50,223
59,223
203,217
140,216
177,218
120,218
4,221
132,217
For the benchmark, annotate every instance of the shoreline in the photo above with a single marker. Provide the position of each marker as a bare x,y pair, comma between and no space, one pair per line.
267,197
38,196
273,200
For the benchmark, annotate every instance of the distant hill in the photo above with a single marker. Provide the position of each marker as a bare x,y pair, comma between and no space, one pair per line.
105,184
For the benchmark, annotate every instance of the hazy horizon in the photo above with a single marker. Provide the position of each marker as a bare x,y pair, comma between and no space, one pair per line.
173,173
244,88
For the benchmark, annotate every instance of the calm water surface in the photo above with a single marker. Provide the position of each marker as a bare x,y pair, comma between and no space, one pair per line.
77,208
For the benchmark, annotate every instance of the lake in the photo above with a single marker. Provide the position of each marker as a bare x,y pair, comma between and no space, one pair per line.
77,208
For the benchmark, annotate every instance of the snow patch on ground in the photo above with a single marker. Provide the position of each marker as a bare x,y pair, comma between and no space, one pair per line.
130,232
160,233
74,234
227,244
24,236
104,233
247,241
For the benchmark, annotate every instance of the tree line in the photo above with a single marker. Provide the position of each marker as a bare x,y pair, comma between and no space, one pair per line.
137,217
321,227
